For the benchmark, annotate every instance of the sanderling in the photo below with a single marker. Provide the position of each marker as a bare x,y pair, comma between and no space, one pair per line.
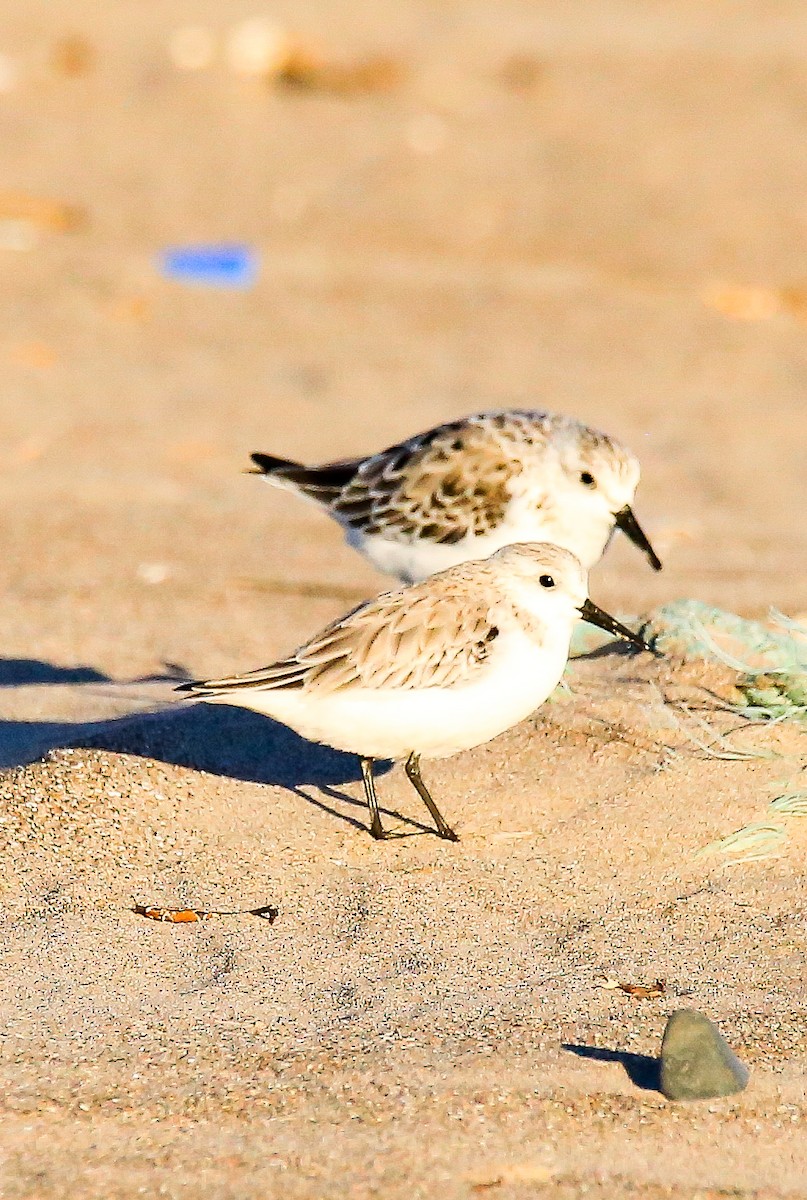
430,669
467,488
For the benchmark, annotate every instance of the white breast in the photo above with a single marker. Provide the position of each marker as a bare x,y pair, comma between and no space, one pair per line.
411,562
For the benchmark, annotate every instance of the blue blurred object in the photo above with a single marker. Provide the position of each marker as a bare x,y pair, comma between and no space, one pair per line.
225,265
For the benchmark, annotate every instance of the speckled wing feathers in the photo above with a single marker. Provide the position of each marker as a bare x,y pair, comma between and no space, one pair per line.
441,485
424,640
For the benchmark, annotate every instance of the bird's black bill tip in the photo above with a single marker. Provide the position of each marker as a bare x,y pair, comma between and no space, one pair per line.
626,521
597,616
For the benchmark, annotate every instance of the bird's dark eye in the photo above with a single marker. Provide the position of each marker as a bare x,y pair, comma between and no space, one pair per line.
546,581
588,479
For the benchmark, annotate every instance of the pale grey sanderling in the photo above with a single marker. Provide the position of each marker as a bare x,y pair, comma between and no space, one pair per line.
467,488
431,669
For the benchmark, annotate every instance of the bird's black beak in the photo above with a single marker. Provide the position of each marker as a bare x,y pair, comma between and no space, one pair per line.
596,616
626,521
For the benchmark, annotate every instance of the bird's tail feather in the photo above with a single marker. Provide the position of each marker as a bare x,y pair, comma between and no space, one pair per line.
323,483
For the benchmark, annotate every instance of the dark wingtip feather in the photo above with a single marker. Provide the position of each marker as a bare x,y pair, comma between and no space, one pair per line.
267,464
192,685
323,483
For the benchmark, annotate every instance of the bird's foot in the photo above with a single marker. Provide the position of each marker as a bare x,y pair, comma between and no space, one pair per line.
447,833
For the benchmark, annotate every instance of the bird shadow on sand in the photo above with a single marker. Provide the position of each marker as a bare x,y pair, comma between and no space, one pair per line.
615,649
641,1069
33,684
238,744
36,672
219,740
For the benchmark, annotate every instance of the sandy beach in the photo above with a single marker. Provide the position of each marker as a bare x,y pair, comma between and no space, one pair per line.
592,208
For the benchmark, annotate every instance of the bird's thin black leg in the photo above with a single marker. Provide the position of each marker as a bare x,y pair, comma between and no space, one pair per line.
376,828
413,774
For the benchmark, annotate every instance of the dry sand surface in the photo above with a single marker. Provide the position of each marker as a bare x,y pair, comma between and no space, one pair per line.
595,207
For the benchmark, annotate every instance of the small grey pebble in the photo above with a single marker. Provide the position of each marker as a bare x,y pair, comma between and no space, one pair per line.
697,1062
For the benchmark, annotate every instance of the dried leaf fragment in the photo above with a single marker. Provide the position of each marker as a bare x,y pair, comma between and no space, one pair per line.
363,77
176,916
181,916
639,991
40,211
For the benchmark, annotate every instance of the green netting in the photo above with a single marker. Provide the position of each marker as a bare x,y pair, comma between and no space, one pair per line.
791,804
770,664
755,842
770,659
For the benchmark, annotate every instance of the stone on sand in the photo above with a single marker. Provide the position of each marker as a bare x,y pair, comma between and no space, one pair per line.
697,1062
